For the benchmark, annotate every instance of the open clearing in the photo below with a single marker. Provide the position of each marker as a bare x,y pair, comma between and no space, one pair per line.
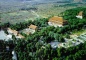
16,15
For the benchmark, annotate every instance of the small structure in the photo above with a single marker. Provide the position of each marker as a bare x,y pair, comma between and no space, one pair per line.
14,32
54,44
9,37
3,36
32,28
80,15
20,36
57,21
28,33
7,48
14,57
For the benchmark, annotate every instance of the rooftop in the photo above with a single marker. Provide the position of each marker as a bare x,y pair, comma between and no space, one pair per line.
56,18
21,36
33,26
80,13
13,31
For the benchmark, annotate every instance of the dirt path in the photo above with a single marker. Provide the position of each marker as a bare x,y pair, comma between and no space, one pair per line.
34,13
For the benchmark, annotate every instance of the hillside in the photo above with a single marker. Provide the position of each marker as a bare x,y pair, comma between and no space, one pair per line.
39,1
20,10
41,46
76,1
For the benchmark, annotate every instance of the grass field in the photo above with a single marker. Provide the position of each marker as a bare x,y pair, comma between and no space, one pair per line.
79,32
47,10
16,15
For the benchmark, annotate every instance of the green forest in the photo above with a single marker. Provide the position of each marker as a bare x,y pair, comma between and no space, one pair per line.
30,48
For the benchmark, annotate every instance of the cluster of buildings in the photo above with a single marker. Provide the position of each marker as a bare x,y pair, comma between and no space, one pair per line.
60,22
15,33
55,21
30,30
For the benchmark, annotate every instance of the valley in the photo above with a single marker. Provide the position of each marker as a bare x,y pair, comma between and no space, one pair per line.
17,12
43,30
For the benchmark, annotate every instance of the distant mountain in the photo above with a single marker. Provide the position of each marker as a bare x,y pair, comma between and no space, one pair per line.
47,0
79,0
44,1
35,0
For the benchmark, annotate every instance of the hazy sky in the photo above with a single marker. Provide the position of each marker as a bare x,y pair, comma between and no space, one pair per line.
38,0
32,0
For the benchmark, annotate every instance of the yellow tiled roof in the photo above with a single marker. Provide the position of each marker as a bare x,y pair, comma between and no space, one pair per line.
13,31
80,13
57,19
33,26
21,36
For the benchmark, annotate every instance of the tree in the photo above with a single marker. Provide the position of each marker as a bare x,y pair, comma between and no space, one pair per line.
56,36
67,36
61,39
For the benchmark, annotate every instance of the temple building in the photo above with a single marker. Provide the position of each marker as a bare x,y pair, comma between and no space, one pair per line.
32,28
57,21
80,15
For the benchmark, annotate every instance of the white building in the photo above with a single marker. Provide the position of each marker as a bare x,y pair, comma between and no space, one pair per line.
20,36
32,29
14,57
10,31
14,32
9,37
3,36
80,15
